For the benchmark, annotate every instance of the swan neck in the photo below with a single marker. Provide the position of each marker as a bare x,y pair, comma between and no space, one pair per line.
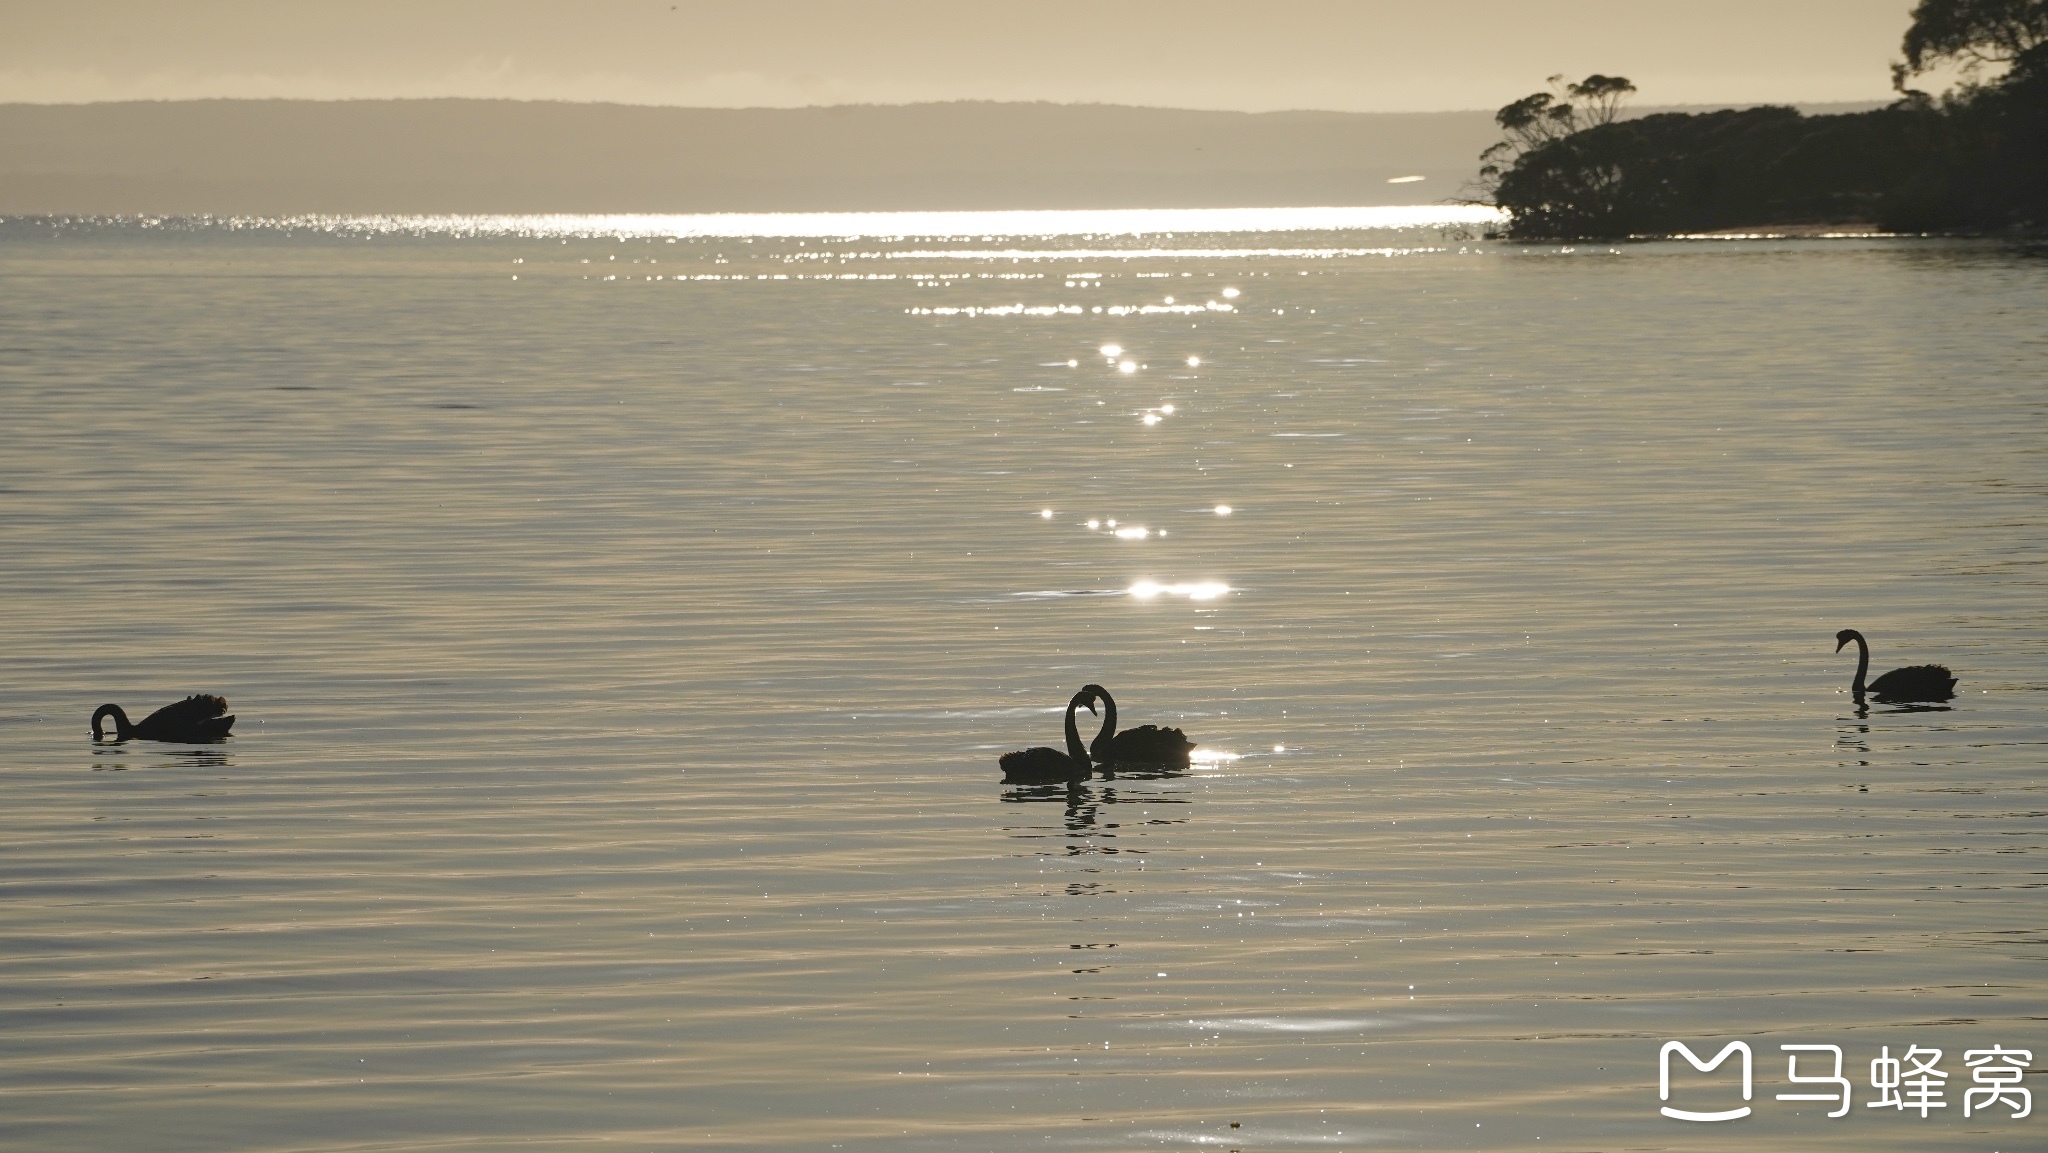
1075,749
1862,664
121,726
1102,738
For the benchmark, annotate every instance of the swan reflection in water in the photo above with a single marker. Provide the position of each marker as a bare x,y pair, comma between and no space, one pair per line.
1085,828
112,758
1898,707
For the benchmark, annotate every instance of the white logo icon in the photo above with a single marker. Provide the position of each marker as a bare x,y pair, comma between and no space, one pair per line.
1664,1079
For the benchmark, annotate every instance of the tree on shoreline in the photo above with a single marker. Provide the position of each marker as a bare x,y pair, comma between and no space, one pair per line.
1542,118
1975,160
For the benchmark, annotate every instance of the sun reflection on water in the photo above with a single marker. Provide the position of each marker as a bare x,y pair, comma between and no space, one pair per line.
1197,591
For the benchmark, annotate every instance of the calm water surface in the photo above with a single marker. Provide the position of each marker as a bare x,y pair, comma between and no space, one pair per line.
622,652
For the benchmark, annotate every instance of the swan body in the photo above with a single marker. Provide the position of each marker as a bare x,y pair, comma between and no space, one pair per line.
195,720
1915,683
1144,745
1042,764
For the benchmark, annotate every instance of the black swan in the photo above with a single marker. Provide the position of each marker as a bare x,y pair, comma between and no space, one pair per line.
1043,764
1144,745
192,721
1918,683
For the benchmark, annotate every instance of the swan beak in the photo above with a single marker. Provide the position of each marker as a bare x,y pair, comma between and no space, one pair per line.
1839,644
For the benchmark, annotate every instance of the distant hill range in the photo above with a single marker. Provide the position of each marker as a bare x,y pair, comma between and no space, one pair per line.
271,157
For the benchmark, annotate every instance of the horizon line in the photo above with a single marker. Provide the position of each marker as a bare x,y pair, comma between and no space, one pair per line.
869,104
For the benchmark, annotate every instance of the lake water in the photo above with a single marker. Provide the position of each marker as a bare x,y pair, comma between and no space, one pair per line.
624,623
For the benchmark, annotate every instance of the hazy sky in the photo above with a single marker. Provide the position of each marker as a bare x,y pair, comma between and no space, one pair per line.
1254,55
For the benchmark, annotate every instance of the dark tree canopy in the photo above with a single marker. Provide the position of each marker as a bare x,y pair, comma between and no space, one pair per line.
1973,32
1542,118
1975,160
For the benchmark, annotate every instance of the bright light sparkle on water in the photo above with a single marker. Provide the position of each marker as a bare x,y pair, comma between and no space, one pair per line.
1199,591
1046,513
1223,510
1133,533
1211,756
1194,362
1127,367
1230,294
1111,351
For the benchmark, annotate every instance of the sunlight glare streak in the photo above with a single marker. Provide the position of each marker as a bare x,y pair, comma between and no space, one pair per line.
1146,590
851,225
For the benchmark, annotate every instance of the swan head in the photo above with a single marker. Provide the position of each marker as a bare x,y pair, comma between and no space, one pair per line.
1845,636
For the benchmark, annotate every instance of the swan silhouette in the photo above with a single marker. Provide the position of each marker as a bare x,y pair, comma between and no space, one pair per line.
1917,683
1144,745
195,720
1042,764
